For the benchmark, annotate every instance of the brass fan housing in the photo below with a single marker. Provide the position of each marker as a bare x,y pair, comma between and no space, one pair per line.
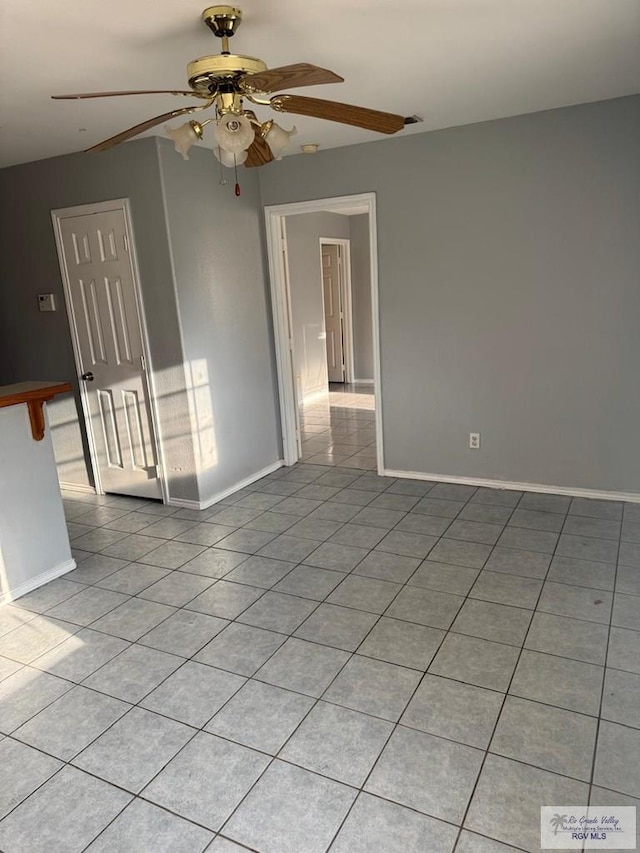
206,73
223,21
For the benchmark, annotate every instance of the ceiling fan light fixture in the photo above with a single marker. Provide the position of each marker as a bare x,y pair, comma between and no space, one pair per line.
184,136
278,139
229,159
309,148
234,133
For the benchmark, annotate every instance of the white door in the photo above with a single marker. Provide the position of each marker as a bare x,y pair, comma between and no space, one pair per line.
104,316
333,315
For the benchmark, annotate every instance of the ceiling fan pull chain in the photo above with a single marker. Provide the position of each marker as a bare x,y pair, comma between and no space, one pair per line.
235,166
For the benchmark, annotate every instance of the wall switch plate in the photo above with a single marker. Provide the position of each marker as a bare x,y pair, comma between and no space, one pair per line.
474,440
46,302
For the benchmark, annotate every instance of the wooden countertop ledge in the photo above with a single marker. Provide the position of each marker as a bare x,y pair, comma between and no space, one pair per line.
34,394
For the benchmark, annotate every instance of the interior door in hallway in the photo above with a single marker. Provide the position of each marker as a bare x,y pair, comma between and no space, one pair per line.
105,321
333,311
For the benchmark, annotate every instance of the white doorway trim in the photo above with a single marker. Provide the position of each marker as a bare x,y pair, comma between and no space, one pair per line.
82,210
345,298
280,300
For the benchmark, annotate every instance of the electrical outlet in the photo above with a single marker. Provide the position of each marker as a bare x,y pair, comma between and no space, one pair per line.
474,440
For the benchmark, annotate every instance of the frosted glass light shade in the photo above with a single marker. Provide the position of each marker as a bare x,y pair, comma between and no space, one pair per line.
278,138
227,158
234,133
183,138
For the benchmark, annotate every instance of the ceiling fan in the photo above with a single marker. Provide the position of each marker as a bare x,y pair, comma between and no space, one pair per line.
223,81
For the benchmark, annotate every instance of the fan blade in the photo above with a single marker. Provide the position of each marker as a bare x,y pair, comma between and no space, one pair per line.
333,111
288,77
145,125
118,94
258,153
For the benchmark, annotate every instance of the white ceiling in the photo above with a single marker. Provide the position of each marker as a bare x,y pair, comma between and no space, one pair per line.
451,61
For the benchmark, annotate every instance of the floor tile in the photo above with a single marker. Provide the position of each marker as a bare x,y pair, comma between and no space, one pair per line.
341,558
8,667
133,578
134,673
407,544
587,548
402,643
558,681
438,507
360,535
598,527
214,563
235,516
628,580
340,627
596,508
318,493
273,522
470,842
132,547
205,534
474,531
99,539
49,595
167,528
624,650
80,655
551,738
443,577
132,522
391,500
496,497
176,589
291,811
291,549
626,613
277,611
317,529
603,798
35,637
425,606
492,621
387,567
296,506
569,638
454,711
304,667
193,694
338,742
629,554
172,554
511,561
26,768
143,826
506,803
261,716
246,541
241,648
545,503
70,723
353,498
621,698
133,619
426,773
88,605
94,568
617,766
592,605
63,816
25,693
418,522
132,751
374,687
363,593
506,589
582,573
475,661
536,520
378,517
262,572
452,492
225,600
13,617
378,826
207,780
528,540
184,633
310,582
469,554
337,511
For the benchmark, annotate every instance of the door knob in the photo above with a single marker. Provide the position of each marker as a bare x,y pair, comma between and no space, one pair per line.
88,377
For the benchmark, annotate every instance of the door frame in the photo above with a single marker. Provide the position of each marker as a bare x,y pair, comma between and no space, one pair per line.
57,216
345,300
277,252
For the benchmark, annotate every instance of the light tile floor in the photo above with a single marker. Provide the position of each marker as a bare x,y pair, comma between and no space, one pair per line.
325,661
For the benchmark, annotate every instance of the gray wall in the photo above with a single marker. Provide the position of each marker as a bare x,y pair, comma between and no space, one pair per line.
361,297
509,259
37,345
217,254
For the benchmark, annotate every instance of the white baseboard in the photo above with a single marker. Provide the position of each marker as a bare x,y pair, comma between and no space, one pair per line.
77,487
38,580
573,491
362,382
187,504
